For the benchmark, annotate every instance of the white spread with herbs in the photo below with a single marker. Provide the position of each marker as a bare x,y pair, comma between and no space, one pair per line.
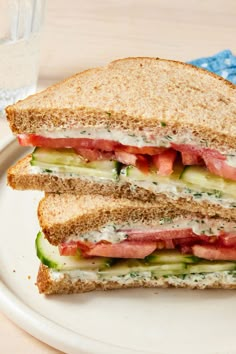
174,189
160,137
117,233
200,279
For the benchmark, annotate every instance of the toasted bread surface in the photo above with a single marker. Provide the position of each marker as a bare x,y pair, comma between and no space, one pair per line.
135,94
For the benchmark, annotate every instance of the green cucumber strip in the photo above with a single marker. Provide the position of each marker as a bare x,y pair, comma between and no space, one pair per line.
58,156
199,176
78,171
67,161
125,267
171,256
133,173
49,255
211,266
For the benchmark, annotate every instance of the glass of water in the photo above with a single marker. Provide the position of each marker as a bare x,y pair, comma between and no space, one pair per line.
20,23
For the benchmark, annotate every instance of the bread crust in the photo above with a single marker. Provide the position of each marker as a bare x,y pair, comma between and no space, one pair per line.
20,177
65,285
138,93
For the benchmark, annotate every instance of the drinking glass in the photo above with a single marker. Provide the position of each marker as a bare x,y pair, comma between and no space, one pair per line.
20,23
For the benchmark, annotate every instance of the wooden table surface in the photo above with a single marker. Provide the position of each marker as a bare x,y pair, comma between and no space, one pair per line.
80,34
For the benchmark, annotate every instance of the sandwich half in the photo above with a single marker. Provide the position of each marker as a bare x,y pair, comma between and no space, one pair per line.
94,242
137,128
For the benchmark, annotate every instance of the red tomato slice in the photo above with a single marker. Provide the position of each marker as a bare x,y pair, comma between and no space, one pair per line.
213,154
36,140
145,150
94,155
186,148
123,250
219,167
190,149
126,158
68,249
156,235
164,162
169,244
214,253
142,164
228,239
191,158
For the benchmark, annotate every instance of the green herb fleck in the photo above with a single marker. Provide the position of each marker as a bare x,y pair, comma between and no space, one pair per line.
218,194
197,195
165,221
188,190
168,137
108,113
133,274
155,183
163,124
83,132
47,170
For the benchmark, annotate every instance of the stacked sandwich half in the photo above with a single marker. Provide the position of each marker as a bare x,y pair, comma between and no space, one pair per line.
138,162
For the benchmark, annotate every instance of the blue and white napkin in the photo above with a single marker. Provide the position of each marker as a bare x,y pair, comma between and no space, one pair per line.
223,64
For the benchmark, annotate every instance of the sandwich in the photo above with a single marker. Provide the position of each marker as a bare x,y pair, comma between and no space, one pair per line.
140,129
92,242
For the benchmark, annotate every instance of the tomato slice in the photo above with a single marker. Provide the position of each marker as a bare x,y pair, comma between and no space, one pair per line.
228,239
56,143
191,158
126,158
68,249
164,162
145,150
123,249
142,164
156,235
219,167
214,253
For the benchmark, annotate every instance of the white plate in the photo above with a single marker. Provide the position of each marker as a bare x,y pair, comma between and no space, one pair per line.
121,321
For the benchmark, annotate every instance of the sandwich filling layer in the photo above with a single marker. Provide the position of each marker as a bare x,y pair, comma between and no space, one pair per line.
162,155
161,263
166,172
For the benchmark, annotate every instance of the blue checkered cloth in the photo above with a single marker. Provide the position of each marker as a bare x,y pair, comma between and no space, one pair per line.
223,64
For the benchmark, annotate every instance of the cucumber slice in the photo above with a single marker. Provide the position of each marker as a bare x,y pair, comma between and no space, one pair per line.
171,256
135,267
67,161
50,256
133,173
79,171
211,266
201,177
58,157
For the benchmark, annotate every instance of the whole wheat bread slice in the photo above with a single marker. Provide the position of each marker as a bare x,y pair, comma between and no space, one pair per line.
21,177
61,216
65,284
134,94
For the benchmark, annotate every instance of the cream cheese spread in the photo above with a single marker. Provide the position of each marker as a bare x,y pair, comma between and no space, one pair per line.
117,233
133,138
174,190
200,279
